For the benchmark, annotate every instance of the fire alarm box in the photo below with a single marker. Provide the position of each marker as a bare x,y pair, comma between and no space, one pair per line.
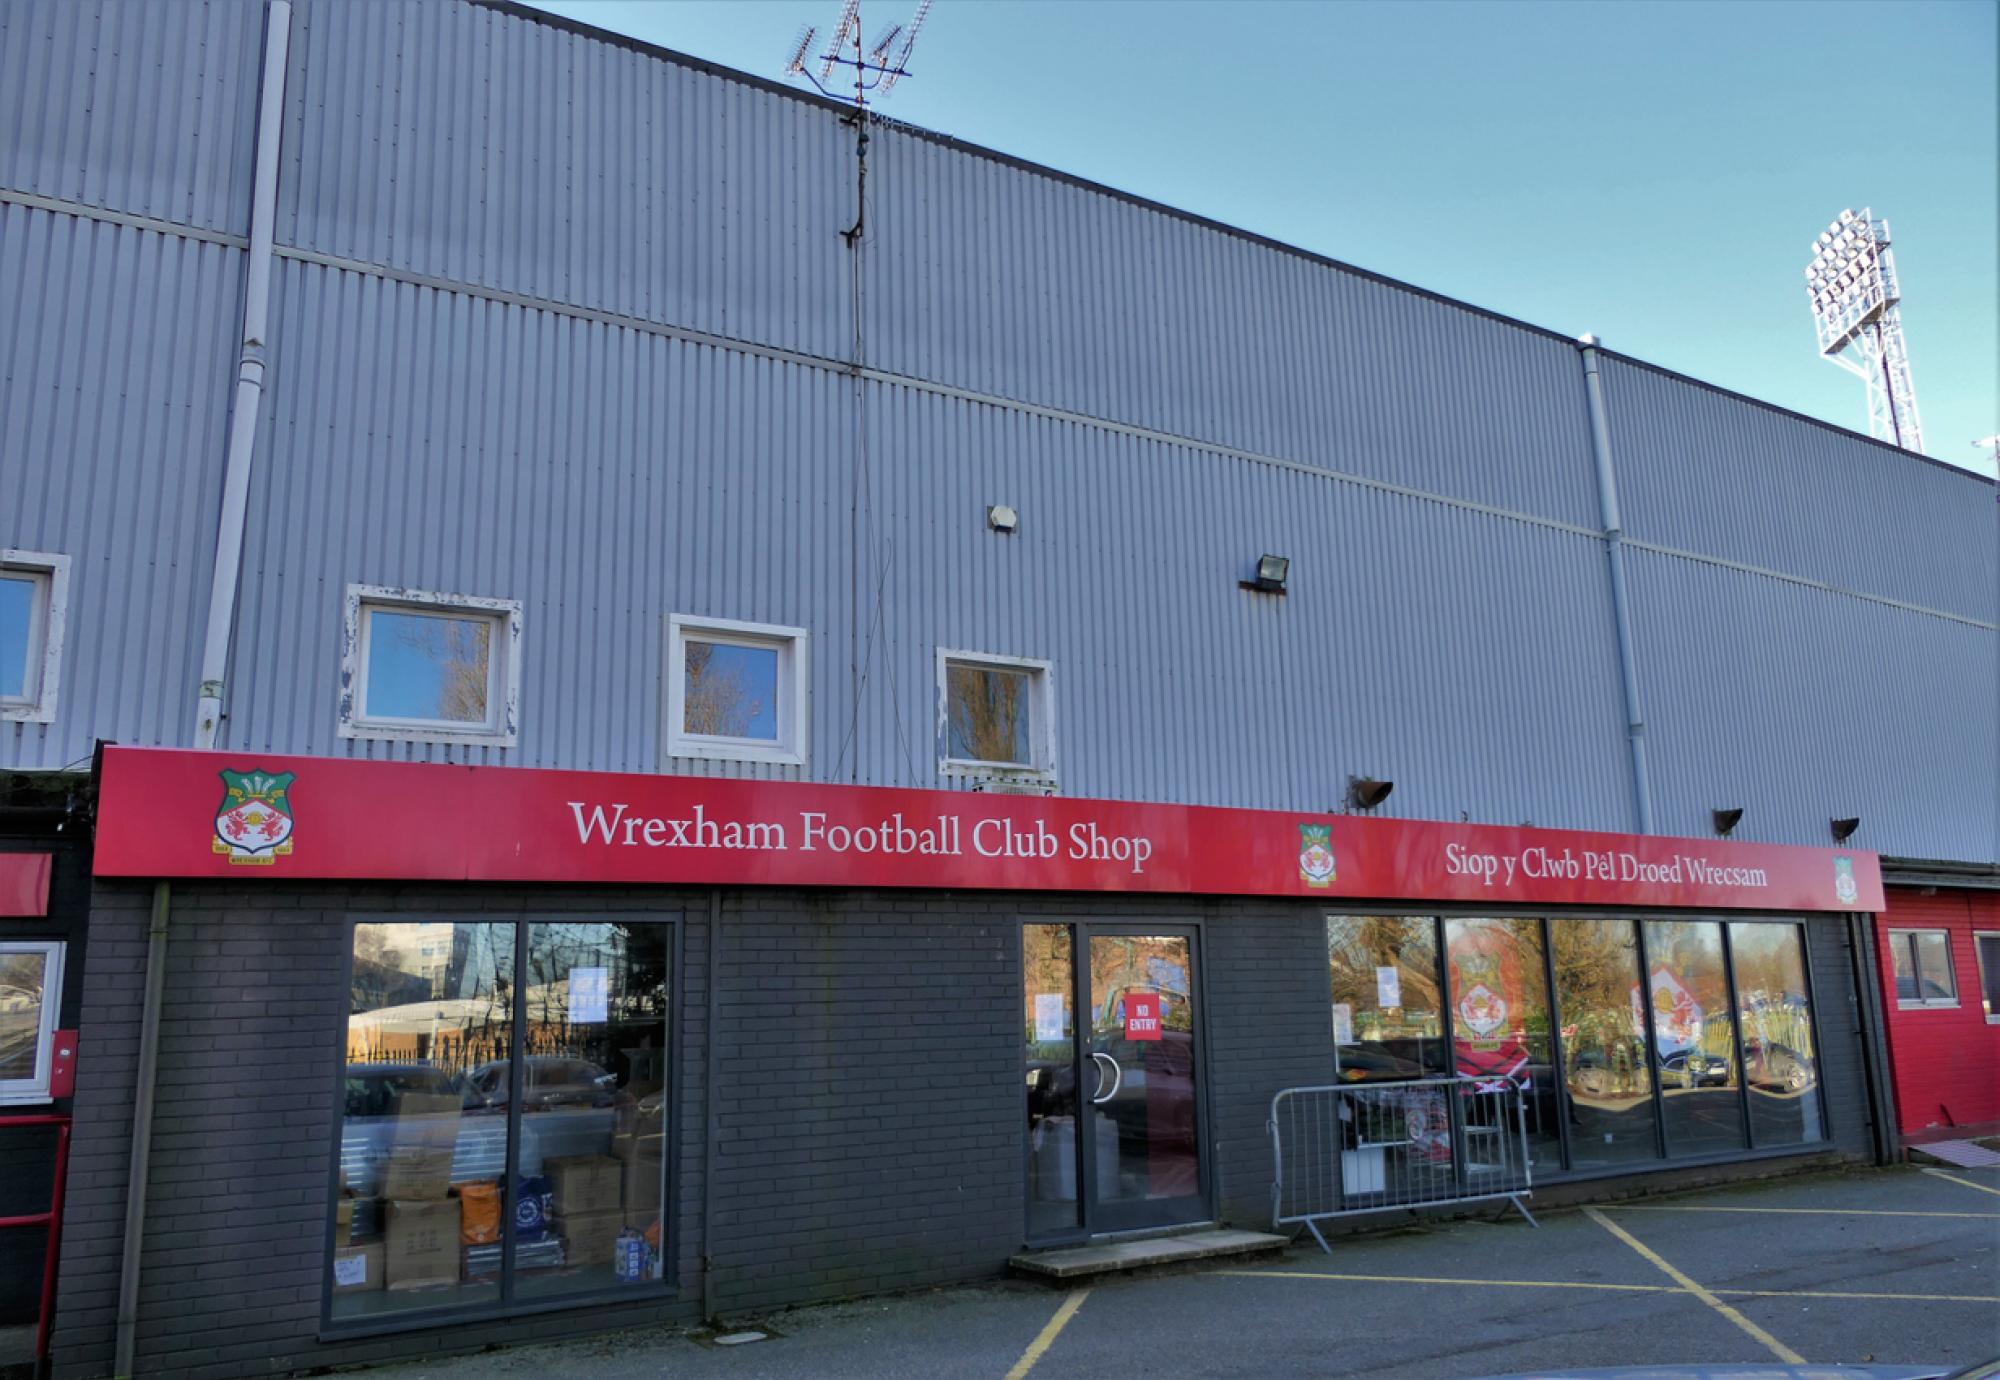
62,1065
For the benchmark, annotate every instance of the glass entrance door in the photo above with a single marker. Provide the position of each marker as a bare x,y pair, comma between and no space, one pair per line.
1114,1120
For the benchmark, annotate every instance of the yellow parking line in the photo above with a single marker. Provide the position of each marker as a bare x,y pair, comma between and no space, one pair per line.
1843,1294
1983,1188
1777,1348
1813,1212
1440,1279
1047,1335
1614,1288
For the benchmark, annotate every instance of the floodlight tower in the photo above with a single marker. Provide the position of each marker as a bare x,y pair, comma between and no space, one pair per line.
1852,283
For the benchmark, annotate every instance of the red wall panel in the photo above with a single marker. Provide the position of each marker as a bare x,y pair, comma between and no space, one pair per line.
1946,1060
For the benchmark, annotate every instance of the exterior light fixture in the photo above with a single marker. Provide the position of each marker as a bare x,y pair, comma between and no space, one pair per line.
1726,820
1365,792
1002,518
1272,572
1843,829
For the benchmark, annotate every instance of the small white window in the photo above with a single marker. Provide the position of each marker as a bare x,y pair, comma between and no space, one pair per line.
34,595
736,692
996,716
1924,974
30,994
1986,943
432,668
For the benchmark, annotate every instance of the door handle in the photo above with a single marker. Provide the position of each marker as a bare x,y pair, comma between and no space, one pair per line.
1117,1078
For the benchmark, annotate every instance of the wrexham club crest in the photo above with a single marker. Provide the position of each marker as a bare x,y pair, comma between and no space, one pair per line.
1481,1007
1316,854
1843,881
253,825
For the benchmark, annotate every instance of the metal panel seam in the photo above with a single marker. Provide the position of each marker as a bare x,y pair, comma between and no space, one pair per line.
63,207
1821,585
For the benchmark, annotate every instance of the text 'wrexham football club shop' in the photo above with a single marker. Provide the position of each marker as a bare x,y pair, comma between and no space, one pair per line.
637,1047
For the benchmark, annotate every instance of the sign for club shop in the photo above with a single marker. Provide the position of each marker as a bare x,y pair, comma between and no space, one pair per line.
171,813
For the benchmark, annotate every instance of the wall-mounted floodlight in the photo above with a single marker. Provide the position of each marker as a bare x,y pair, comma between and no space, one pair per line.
1002,518
1272,572
1727,820
1843,829
1365,792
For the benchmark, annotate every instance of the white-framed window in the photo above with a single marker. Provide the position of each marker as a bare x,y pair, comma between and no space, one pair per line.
1986,943
996,716
736,692
30,995
432,668
34,599
1924,975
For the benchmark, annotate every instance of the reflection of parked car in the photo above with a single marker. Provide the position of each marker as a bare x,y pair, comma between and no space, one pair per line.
1775,1068
552,1081
374,1089
1689,1068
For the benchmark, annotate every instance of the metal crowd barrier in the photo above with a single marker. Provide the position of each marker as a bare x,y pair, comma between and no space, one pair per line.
1348,1148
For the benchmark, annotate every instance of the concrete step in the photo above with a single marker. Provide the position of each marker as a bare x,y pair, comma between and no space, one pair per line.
1106,1257
1963,1153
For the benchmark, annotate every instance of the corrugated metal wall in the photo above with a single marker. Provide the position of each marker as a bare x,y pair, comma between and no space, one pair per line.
561,321
115,371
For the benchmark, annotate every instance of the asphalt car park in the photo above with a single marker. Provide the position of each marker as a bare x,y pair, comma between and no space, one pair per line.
1885,1267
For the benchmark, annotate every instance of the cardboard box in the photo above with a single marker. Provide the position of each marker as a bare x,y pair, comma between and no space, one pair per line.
413,1172
422,1245
585,1183
357,1269
343,1221
428,1119
645,1192
590,1238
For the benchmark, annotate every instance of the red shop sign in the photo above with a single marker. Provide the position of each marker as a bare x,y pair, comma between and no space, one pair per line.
171,813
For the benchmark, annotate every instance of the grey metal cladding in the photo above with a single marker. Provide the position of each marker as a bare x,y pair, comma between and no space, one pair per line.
115,373
149,109
1025,285
1801,705
1703,471
458,142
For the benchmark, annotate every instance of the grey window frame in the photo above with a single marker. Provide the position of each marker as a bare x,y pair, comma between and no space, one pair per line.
1909,935
49,573
503,667
34,1090
1988,976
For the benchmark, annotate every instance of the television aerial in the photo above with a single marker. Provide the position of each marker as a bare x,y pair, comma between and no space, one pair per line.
876,68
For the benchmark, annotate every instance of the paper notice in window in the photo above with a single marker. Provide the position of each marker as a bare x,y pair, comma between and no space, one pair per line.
1343,1023
587,995
348,1271
1388,986
1048,1016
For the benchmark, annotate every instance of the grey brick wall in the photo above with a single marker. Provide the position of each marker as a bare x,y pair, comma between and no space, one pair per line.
869,1110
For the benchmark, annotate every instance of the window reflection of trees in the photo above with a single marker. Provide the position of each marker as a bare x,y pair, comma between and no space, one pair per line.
987,714
459,648
718,699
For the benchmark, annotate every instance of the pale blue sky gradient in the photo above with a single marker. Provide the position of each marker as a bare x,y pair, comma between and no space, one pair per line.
1653,172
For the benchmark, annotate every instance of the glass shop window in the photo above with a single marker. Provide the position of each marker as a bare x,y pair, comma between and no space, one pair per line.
1607,1078
1388,1022
1774,1014
1694,1037
504,1124
30,993
1500,1019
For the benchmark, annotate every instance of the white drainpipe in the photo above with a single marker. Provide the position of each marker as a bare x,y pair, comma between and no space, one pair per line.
249,380
1621,604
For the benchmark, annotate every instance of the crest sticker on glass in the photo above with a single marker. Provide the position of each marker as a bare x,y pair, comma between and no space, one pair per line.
1316,866
1843,881
253,825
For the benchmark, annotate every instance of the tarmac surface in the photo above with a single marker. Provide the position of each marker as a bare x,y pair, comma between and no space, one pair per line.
1879,1266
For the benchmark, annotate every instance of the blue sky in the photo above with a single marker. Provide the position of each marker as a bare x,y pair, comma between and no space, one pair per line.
1653,172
